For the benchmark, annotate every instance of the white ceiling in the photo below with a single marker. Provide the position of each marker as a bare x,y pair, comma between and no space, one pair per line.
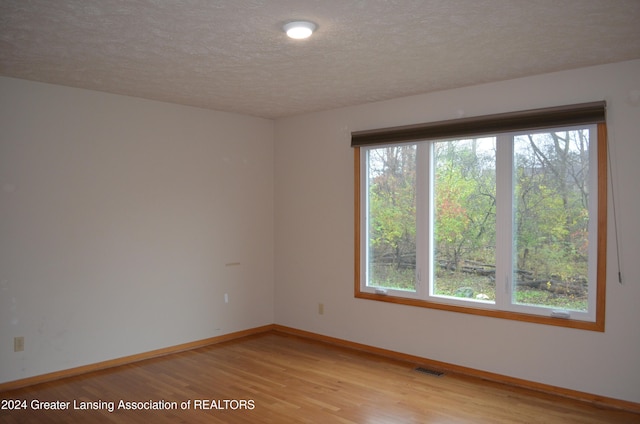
232,55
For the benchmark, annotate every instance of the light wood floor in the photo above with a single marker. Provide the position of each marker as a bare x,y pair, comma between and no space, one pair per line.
294,380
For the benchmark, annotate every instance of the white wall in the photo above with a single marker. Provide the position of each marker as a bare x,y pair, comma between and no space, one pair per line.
314,240
117,217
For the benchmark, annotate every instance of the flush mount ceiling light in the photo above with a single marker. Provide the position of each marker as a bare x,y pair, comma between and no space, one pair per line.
299,29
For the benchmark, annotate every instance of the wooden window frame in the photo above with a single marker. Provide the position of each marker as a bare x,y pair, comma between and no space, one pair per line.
595,112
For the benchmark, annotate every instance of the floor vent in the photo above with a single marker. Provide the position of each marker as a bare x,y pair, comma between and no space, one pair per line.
430,371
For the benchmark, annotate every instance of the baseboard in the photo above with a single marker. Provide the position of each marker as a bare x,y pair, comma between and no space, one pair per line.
57,375
601,401
597,400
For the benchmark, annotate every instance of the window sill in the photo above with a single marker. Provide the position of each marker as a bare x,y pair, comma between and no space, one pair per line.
598,325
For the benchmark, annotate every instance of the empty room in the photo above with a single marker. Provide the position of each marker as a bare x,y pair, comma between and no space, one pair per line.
300,211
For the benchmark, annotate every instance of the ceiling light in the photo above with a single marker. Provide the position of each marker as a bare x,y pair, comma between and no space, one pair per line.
299,29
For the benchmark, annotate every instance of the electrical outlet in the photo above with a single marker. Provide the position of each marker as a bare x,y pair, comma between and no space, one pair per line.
18,344
320,308
226,298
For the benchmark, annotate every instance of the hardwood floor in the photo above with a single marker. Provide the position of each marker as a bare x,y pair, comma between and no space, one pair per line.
278,378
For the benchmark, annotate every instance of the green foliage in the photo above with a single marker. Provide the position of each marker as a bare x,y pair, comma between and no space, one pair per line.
459,284
544,297
465,201
551,205
392,216
390,277
550,213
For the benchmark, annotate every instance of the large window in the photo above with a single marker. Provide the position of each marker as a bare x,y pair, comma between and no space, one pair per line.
500,220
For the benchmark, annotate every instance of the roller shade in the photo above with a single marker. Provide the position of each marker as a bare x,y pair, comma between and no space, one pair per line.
526,120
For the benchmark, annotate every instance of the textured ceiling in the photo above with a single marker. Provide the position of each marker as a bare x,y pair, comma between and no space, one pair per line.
232,55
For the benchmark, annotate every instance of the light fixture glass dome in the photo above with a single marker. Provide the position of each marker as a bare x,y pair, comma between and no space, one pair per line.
299,29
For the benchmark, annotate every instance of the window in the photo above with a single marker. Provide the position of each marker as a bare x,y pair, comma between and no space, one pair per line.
501,216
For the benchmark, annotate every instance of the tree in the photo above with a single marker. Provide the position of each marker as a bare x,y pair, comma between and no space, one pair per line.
465,201
552,207
392,215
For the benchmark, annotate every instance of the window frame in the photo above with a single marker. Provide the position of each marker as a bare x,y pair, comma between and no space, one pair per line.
398,136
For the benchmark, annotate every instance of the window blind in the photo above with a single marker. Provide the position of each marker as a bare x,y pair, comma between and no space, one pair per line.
526,120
